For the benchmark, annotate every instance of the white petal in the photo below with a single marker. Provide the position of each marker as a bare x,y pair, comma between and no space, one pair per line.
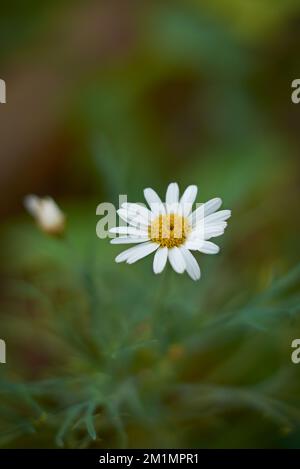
151,196
212,206
140,251
129,230
189,194
218,217
212,231
128,240
154,202
187,199
144,250
192,266
160,260
176,260
125,254
172,199
172,194
192,245
137,221
136,209
205,209
206,231
174,208
206,247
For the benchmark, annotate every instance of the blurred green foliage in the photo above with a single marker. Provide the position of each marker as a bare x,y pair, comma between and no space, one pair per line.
106,355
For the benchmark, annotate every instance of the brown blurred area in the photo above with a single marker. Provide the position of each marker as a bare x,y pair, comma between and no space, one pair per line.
80,40
35,143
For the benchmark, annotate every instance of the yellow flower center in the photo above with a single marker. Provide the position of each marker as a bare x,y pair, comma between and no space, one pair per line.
169,230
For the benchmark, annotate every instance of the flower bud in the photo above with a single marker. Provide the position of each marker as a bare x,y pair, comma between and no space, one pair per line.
47,214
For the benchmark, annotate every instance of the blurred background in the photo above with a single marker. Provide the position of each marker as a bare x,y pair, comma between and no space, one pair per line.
106,98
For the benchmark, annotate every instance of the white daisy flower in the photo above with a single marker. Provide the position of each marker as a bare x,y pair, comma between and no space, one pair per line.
171,230
47,214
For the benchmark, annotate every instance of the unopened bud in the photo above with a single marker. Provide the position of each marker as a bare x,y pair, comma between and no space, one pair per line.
47,214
